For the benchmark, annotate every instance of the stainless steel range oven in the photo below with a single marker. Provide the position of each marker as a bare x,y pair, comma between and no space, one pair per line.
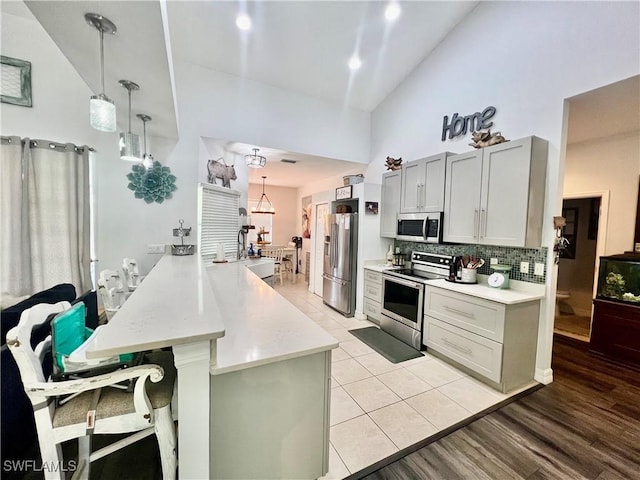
403,296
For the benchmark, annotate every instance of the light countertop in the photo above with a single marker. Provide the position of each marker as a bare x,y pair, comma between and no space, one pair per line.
380,267
261,326
185,300
520,294
172,306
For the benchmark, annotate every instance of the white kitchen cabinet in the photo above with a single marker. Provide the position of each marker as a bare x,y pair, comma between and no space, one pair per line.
390,203
372,295
423,184
494,342
495,195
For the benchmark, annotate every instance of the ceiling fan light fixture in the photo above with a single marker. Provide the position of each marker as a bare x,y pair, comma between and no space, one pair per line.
254,160
264,205
129,142
102,110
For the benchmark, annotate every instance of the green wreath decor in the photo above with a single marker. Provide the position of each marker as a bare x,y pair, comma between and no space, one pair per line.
153,185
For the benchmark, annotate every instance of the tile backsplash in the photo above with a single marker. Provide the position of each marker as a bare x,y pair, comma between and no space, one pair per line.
505,255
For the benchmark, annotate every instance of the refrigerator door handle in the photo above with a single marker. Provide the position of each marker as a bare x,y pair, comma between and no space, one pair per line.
334,245
333,279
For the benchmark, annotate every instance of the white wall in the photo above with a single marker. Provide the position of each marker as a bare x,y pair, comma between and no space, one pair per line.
608,164
286,222
524,58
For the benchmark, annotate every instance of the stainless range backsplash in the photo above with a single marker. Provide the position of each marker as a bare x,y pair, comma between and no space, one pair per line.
505,255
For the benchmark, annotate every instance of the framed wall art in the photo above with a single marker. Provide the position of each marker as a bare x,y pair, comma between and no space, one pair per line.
344,193
15,87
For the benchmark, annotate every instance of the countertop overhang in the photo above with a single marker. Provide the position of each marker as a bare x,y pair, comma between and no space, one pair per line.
185,300
173,305
262,327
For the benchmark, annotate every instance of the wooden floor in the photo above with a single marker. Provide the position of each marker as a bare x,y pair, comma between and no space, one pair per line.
586,424
575,325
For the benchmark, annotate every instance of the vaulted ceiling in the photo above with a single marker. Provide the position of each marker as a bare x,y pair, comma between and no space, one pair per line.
301,46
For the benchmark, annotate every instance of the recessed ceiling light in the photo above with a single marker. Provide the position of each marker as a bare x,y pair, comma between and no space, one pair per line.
392,11
355,63
287,160
243,22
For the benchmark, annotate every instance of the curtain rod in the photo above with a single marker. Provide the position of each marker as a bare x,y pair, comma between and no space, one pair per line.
46,144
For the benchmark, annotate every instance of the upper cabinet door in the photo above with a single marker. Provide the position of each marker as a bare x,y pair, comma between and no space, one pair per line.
513,185
423,184
505,193
462,197
434,178
412,180
390,203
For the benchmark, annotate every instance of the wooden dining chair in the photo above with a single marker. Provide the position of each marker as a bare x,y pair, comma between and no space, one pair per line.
131,273
93,409
276,254
112,291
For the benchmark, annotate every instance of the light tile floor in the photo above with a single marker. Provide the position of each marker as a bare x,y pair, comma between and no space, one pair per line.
378,407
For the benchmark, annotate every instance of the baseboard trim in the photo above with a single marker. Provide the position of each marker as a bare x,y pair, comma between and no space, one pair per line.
544,376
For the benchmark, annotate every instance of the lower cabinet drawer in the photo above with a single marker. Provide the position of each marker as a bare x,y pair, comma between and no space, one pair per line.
372,309
373,291
480,354
476,315
371,276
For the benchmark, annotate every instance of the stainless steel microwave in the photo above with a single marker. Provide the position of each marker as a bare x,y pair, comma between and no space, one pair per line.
420,227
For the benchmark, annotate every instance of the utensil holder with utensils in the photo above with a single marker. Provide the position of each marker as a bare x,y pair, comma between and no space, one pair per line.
464,269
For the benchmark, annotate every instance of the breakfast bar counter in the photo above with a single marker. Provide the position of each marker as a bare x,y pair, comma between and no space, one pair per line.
250,365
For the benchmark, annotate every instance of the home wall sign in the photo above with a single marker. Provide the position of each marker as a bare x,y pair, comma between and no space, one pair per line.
461,125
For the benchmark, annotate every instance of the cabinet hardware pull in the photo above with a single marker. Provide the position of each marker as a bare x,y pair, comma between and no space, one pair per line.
466,350
483,223
475,223
459,312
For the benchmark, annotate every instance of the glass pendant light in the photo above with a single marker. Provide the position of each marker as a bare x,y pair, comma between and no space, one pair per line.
129,142
147,158
254,160
264,205
102,110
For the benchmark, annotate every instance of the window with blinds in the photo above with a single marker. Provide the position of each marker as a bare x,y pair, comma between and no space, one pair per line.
217,221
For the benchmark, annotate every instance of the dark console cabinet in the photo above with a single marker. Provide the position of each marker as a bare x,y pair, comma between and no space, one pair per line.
615,332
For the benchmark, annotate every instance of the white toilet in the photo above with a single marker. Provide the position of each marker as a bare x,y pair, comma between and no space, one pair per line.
561,303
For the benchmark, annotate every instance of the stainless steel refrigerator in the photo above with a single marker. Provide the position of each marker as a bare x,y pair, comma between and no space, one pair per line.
339,265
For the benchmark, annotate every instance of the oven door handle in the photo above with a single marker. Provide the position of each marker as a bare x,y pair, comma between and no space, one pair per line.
406,283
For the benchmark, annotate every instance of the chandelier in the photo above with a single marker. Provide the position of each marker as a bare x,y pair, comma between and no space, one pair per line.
264,205
254,160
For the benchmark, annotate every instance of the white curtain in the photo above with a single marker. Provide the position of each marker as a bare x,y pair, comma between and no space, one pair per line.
44,216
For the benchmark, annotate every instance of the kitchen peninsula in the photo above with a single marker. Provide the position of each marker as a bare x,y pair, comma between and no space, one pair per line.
250,365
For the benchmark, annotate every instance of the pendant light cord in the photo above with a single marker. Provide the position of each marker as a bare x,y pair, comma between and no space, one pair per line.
144,132
129,89
102,59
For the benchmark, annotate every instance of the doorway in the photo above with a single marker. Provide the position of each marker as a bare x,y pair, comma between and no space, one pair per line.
578,264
